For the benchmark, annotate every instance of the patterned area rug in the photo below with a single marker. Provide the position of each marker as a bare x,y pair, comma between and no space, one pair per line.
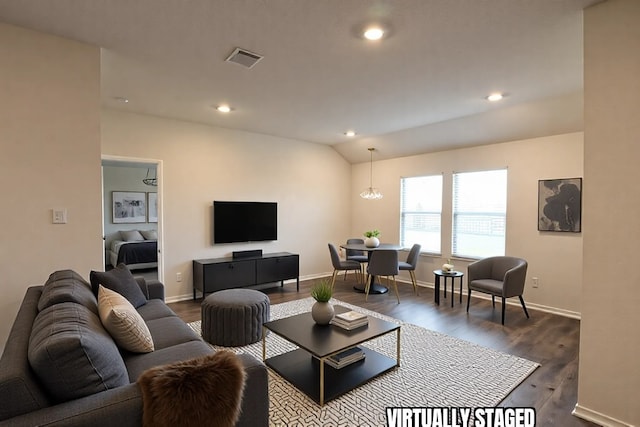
436,370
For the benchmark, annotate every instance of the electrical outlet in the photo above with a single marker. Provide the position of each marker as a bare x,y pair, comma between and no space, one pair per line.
178,277
535,281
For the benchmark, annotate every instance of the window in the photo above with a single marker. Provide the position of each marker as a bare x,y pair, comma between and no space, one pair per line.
479,213
421,211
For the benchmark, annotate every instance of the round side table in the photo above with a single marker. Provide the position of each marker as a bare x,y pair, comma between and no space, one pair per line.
453,275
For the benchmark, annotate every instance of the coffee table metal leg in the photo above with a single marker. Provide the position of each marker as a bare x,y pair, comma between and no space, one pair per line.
264,343
321,381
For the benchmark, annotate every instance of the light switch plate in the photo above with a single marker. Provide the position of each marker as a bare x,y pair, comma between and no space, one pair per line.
59,216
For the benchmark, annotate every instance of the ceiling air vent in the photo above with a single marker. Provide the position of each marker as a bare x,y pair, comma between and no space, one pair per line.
244,57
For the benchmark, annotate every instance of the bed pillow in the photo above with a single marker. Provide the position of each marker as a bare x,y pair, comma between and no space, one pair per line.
120,280
131,236
122,321
149,234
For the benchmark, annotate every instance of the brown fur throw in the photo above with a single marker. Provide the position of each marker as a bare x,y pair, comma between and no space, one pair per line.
205,391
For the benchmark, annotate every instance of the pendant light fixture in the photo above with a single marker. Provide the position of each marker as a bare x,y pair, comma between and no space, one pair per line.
371,193
151,181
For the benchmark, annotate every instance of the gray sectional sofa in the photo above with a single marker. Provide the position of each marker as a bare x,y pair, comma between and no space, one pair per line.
93,382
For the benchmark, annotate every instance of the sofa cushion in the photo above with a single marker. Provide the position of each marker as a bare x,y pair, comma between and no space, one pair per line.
67,286
72,354
120,280
155,309
169,331
137,363
210,388
123,322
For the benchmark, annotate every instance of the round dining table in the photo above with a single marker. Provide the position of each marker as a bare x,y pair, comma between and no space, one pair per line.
375,287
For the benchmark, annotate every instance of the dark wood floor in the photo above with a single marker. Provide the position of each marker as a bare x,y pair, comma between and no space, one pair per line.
548,339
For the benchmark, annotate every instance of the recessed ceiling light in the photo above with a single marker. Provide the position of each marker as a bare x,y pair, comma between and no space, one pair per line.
224,108
350,133
495,97
121,99
373,33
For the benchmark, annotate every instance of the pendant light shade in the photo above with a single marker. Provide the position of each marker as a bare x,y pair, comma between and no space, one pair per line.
152,181
371,193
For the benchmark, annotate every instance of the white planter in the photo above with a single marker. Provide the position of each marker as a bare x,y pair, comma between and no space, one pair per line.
322,313
372,242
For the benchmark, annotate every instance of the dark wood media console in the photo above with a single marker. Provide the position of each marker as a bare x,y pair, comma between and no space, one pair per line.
215,274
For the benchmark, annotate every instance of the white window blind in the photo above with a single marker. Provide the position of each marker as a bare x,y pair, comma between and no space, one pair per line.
421,212
479,213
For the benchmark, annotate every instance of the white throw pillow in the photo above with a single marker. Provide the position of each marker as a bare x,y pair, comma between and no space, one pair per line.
123,322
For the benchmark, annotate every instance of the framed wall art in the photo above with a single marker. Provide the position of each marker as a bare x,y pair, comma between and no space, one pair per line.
560,205
152,206
129,207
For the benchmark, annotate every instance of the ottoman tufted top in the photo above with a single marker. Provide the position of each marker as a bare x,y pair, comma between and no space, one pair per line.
236,297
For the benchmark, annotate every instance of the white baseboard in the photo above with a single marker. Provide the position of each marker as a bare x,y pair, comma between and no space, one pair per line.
597,417
533,306
530,305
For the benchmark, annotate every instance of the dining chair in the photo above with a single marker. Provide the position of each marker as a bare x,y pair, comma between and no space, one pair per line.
383,262
355,255
340,265
502,276
410,265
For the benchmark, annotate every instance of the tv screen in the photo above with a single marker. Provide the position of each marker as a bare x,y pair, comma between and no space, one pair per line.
244,221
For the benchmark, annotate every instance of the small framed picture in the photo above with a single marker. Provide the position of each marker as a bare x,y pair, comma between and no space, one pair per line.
560,205
129,207
152,206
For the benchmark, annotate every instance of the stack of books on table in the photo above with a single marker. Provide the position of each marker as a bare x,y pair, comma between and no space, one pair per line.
350,320
345,358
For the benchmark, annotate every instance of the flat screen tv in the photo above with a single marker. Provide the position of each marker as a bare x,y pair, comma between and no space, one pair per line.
244,221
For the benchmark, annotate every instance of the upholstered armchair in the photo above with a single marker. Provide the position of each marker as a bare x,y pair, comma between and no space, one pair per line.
501,276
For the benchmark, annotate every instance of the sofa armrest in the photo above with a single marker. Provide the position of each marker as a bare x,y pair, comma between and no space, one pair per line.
122,405
152,289
255,401
156,289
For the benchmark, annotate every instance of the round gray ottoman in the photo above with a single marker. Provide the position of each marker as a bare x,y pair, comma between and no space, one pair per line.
234,317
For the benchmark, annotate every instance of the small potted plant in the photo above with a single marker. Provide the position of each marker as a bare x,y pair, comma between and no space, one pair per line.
372,240
322,311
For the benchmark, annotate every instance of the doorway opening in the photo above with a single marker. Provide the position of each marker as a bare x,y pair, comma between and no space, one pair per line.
132,215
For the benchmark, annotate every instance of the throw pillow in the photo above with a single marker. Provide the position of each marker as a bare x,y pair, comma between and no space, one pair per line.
149,234
72,354
123,322
131,235
197,392
120,280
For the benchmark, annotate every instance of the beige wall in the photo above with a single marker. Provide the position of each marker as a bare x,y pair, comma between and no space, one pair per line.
201,164
609,377
555,258
50,144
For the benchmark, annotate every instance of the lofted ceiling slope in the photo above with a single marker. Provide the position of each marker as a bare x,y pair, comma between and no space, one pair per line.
420,89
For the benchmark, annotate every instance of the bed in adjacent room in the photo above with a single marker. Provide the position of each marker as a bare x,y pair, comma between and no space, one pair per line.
137,249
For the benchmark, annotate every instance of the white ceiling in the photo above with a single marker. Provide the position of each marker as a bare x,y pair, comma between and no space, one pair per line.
420,89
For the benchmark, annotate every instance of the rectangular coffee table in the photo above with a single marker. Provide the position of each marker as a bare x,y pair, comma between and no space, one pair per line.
305,367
